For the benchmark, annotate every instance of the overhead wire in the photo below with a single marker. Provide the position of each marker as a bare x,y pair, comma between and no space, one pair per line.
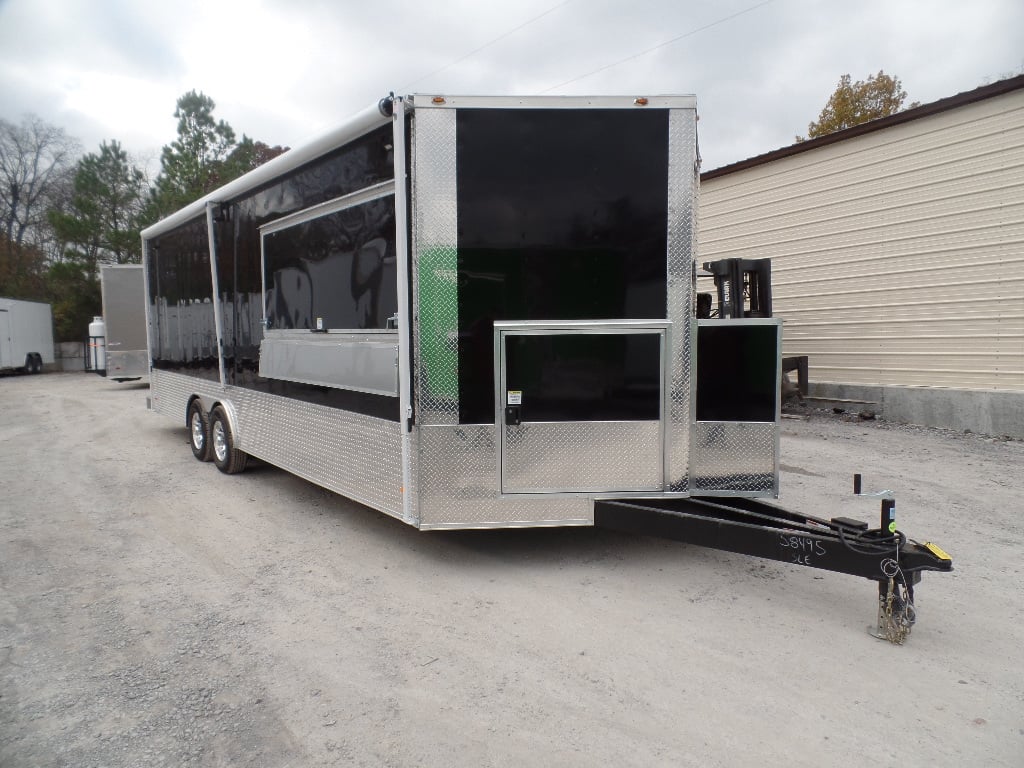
489,43
662,44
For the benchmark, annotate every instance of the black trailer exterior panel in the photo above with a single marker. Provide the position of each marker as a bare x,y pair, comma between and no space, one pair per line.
562,215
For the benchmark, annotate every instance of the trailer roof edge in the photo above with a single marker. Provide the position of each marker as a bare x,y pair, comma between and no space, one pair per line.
372,117
356,126
639,101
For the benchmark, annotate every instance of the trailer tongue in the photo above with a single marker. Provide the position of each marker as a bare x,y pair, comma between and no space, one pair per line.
752,527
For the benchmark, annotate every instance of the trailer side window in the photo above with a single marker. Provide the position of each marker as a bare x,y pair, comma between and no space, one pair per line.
181,297
333,272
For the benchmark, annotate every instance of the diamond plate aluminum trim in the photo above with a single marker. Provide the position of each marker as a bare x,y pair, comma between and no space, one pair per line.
582,456
682,235
349,453
170,392
435,267
734,456
357,456
458,485
410,490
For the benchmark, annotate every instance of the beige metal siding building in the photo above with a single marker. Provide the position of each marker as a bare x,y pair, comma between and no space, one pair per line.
897,253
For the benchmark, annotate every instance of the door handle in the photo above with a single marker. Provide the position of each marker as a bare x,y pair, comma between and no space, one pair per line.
513,416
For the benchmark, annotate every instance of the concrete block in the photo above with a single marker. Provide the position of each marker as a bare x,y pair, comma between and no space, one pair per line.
987,412
69,356
999,413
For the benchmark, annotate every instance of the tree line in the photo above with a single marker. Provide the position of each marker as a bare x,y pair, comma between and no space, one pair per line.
64,214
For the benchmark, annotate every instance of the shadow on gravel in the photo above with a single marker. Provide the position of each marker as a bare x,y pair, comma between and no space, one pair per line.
555,546
482,548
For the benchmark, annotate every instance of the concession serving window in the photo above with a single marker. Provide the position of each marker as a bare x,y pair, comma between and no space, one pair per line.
330,293
332,267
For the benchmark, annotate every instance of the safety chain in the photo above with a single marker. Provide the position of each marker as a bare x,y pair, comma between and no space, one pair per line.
896,613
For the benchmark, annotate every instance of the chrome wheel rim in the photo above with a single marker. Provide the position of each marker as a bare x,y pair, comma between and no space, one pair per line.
198,436
220,441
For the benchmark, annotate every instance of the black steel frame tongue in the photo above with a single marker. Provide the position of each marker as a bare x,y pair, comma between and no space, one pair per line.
752,527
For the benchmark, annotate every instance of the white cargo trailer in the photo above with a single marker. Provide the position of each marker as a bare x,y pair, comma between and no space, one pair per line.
479,312
26,335
125,356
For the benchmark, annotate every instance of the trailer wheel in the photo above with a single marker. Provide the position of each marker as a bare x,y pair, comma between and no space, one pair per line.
228,459
39,364
199,431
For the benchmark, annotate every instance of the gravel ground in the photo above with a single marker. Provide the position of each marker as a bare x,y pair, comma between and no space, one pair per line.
154,612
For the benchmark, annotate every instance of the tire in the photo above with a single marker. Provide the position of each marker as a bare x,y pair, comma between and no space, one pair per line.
38,366
198,431
228,459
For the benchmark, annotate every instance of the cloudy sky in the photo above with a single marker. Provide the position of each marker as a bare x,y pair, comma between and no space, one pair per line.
282,71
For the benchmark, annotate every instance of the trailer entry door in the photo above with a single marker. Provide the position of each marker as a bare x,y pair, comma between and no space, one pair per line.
579,406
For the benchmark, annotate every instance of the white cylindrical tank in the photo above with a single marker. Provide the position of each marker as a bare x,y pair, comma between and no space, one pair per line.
98,345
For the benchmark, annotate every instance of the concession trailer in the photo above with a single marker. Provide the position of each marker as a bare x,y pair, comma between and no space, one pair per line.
478,312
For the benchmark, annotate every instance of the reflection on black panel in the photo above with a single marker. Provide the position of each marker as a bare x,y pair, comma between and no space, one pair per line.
181,302
366,161
737,372
359,164
243,289
180,283
366,403
334,272
563,215
585,377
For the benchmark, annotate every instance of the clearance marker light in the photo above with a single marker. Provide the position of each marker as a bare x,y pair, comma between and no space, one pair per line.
438,99
641,102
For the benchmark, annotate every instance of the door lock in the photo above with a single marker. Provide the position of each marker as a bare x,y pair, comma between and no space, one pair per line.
513,416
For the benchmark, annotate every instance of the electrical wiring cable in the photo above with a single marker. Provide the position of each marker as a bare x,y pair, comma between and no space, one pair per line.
653,48
880,546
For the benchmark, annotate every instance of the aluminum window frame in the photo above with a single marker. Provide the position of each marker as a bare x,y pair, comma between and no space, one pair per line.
312,213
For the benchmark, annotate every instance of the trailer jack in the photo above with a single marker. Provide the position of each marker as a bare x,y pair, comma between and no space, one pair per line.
752,527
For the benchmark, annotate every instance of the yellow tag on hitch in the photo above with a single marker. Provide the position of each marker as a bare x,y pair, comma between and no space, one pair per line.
936,550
